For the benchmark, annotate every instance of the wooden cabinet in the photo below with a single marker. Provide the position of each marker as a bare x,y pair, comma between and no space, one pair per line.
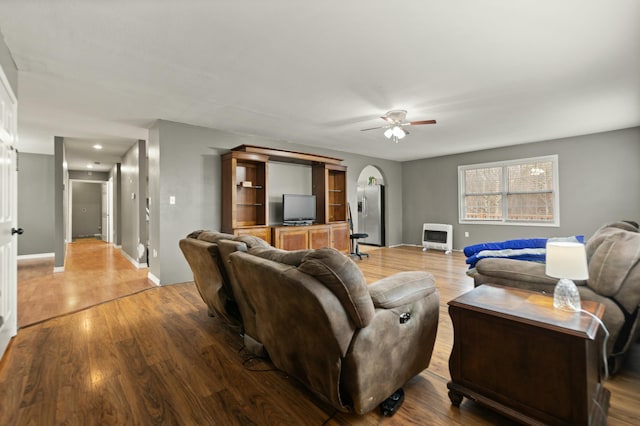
320,237
244,192
290,237
517,354
340,237
311,237
263,232
330,188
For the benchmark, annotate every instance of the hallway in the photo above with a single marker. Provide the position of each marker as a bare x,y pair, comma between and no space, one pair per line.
95,272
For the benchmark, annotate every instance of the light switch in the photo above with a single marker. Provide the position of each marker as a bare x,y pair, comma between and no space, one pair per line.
172,199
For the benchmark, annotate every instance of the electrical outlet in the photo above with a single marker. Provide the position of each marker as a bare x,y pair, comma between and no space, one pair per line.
155,253
466,234
172,199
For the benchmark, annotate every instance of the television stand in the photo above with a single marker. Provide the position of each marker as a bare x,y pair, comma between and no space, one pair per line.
312,236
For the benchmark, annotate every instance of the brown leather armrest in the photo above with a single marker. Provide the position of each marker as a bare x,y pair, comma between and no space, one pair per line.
402,288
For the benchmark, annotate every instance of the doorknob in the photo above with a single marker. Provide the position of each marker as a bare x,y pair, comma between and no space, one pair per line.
18,231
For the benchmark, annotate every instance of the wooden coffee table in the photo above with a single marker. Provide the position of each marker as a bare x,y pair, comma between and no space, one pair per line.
517,354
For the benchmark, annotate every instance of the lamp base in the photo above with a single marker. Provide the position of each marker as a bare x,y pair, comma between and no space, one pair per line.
566,296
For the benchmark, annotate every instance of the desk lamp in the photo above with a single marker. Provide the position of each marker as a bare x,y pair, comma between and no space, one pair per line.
567,261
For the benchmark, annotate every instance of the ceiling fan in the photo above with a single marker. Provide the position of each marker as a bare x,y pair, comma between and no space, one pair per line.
397,119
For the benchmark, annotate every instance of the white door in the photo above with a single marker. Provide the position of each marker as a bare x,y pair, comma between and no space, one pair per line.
105,212
8,221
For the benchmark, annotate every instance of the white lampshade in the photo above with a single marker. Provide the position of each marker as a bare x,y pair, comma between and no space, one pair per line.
398,132
567,260
388,133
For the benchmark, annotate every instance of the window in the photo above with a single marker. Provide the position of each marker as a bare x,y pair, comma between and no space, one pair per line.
518,192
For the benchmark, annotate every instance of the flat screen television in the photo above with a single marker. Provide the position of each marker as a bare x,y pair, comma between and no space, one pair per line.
297,208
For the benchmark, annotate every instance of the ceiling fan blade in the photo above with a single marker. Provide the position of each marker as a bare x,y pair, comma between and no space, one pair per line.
414,123
374,128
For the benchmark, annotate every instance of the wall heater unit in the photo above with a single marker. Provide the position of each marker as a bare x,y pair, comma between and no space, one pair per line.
437,236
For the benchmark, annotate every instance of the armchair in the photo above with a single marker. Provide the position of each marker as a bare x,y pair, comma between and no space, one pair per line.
613,255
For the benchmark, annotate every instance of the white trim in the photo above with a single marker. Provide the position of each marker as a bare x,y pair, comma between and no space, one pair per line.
153,279
504,221
111,235
133,261
5,80
35,256
57,269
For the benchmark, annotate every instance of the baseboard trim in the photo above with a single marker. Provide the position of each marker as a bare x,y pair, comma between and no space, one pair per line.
134,262
419,245
57,269
35,256
153,279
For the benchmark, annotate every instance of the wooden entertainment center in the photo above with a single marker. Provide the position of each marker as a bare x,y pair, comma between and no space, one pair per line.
245,197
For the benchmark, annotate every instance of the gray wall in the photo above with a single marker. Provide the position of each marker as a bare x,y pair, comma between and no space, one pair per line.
35,204
599,177
60,191
184,161
83,222
286,178
133,201
88,175
86,208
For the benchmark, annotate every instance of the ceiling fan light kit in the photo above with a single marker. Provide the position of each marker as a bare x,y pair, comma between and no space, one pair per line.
395,133
397,120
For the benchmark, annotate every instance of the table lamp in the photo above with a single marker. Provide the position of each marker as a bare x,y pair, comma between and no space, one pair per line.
567,261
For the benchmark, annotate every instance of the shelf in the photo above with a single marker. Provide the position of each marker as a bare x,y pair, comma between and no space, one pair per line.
250,208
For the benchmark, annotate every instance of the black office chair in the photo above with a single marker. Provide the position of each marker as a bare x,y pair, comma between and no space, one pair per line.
354,237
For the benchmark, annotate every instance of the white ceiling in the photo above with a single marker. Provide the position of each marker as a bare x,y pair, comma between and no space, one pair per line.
491,72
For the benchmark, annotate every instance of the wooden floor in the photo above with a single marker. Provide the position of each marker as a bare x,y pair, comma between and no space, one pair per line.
155,357
94,272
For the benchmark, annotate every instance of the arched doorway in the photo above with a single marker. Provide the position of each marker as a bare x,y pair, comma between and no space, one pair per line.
371,206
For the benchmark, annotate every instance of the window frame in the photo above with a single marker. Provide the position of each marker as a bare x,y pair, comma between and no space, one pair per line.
504,193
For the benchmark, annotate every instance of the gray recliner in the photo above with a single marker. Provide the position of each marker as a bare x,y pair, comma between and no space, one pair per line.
613,255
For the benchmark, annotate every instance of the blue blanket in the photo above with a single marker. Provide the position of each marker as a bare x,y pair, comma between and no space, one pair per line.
509,244
532,249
